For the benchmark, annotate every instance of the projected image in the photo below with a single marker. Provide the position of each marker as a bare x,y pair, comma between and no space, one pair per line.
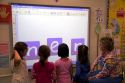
38,25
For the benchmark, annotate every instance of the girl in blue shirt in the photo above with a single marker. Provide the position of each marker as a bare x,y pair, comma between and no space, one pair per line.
82,65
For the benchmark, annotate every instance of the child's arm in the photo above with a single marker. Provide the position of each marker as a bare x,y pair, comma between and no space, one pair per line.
17,59
33,73
54,74
71,72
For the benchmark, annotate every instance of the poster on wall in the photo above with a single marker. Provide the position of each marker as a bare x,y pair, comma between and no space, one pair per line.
117,25
4,55
5,13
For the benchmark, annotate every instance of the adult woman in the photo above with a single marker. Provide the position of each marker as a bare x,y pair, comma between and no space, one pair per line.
107,62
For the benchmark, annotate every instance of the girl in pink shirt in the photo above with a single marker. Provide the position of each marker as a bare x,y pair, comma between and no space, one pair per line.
63,65
43,70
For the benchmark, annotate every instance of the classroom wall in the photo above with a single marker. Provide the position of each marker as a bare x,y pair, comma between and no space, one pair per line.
93,4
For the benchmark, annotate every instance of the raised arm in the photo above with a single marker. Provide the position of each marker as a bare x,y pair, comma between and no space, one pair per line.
17,58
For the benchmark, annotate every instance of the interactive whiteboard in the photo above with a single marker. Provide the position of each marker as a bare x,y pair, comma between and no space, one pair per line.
50,25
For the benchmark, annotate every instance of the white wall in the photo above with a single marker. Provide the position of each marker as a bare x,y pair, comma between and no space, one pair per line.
93,4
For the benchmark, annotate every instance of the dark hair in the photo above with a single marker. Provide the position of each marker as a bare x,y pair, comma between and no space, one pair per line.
43,53
107,43
83,54
63,50
20,47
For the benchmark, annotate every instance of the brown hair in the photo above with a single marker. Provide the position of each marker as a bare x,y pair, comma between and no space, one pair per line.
82,56
107,43
43,53
63,50
20,47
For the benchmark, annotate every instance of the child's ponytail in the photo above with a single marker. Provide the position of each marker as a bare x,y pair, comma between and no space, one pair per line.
44,53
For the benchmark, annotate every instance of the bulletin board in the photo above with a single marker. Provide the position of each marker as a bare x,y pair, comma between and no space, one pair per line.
5,20
4,54
5,23
116,24
4,50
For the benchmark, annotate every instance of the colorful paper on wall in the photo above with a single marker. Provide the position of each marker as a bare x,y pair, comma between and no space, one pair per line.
117,24
4,51
5,13
4,61
4,55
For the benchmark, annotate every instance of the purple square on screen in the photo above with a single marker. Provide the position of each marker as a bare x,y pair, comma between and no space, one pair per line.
32,50
53,44
75,43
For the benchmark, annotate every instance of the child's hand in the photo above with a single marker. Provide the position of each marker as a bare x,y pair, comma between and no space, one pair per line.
17,58
33,75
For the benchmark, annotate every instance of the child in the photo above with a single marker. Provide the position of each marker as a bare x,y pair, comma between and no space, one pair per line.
43,70
18,64
82,65
63,65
